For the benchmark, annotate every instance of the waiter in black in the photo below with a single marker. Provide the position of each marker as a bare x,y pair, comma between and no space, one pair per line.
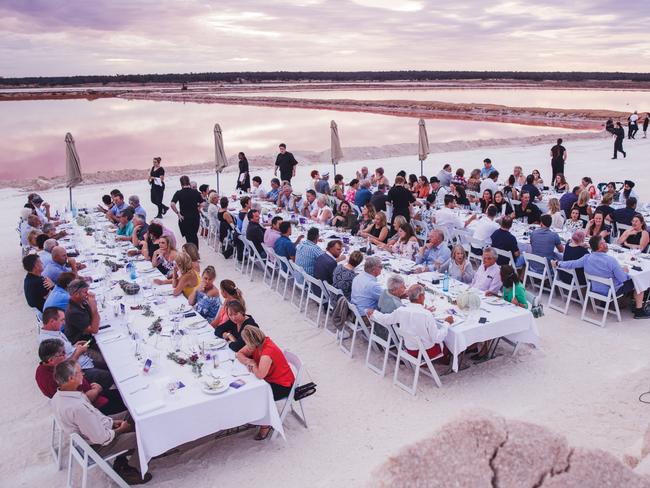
558,158
286,163
188,216
619,132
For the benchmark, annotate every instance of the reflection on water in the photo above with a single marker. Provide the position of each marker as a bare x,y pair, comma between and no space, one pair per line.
623,100
119,134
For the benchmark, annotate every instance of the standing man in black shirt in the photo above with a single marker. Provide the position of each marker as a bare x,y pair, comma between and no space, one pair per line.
401,198
558,158
619,132
287,164
188,216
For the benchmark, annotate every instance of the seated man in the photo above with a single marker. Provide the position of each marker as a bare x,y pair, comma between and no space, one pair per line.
51,329
81,316
59,296
118,205
503,239
134,203
35,285
283,246
448,216
60,264
272,195
32,223
323,184
46,253
52,352
308,205
527,210
417,322
255,232
106,435
488,275
434,254
272,234
140,229
599,263
286,200
307,252
326,263
365,288
363,194
544,242
391,297
625,215
125,225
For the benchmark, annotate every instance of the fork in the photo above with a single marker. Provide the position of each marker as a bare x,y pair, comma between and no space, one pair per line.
139,389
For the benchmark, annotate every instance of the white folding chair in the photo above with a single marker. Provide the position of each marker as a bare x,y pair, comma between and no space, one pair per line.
242,267
475,244
566,290
39,319
356,326
314,291
213,232
388,344
533,275
254,257
594,297
270,265
415,363
507,255
299,282
56,443
288,404
622,228
421,230
334,294
285,271
87,458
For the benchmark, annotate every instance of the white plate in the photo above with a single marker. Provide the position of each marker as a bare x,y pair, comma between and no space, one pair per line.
196,325
495,301
216,344
211,391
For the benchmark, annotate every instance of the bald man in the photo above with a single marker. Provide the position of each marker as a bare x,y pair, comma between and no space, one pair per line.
60,263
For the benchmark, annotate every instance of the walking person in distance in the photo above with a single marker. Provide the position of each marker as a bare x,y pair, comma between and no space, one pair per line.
189,217
286,163
157,182
244,178
619,132
558,158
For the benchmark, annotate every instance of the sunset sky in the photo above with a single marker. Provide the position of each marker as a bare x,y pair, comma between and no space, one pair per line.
67,37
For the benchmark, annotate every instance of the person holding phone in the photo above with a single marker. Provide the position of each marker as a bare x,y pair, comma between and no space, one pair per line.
82,319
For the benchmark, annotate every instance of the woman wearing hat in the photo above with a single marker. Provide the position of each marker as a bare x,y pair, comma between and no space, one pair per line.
157,182
628,192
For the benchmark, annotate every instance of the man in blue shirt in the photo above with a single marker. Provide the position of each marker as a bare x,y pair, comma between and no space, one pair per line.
134,202
544,242
363,194
61,263
568,199
283,246
487,168
599,263
59,296
272,196
118,205
365,288
326,263
307,253
434,254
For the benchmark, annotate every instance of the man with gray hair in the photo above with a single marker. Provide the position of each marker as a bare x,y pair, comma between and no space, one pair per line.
365,288
391,297
416,323
134,203
46,253
81,316
435,254
105,434
60,264
488,274
323,186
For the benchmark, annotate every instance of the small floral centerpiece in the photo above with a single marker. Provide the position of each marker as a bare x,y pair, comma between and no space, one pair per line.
155,327
194,360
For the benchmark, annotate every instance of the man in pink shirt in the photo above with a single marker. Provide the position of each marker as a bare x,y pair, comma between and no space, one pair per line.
488,276
272,234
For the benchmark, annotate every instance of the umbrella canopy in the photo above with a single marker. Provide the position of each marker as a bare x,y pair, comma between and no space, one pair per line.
423,141
72,165
220,159
335,146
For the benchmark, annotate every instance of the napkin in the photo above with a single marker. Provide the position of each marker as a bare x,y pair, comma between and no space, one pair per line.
149,407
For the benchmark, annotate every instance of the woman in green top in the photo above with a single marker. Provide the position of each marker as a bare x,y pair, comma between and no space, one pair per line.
513,290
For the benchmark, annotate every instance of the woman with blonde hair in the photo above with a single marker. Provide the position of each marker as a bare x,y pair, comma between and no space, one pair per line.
185,279
267,362
229,291
368,213
193,252
205,299
163,258
583,204
322,213
377,231
458,266
554,210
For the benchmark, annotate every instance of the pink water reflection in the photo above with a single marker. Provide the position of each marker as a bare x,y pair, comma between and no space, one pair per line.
118,134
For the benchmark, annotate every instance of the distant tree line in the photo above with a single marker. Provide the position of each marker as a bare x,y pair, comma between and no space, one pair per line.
339,76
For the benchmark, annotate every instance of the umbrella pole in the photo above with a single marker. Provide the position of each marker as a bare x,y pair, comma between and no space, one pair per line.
70,199
334,175
421,168
218,184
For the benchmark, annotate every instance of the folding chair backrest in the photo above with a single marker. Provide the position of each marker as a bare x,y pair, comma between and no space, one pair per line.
598,279
505,254
534,258
83,453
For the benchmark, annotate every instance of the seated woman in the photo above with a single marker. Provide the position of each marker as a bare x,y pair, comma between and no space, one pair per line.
461,195
379,178
587,184
407,244
503,206
185,279
556,213
583,204
163,257
267,362
636,237
205,299
226,221
229,291
345,218
392,230
368,213
510,190
377,232
232,328
413,184
352,190
574,250
513,290
427,209
560,184
459,177
338,190
193,252
474,180
423,187
345,273
597,226
322,213
574,222
459,267
537,180
485,201
605,207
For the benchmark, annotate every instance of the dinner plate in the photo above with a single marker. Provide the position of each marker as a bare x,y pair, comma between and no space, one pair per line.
199,324
495,301
214,391
216,344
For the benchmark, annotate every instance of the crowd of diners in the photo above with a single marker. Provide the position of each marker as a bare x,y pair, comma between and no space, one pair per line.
73,373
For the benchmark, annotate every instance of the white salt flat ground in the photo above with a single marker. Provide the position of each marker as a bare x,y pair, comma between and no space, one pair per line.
583,381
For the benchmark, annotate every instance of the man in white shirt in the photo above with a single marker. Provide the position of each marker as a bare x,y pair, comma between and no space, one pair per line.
258,190
634,126
490,183
415,322
488,274
448,217
486,225
106,435
445,175
32,223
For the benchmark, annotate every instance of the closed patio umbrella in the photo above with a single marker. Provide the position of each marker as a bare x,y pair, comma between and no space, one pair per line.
423,145
72,165
335,145
220,159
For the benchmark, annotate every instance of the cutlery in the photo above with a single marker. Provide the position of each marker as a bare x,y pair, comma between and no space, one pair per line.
139,389
130,377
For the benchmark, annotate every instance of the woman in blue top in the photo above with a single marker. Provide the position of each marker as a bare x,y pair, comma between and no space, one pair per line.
205,299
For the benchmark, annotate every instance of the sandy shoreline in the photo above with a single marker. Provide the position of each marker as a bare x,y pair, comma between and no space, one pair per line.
307,158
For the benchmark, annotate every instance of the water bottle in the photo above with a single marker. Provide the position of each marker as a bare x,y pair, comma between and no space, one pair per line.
445,282
132,272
